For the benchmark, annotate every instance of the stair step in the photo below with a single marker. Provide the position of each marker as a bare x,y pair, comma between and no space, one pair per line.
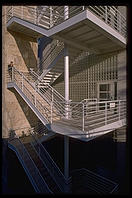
44,172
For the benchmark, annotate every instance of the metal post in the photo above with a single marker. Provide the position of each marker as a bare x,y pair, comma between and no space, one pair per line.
51,17
52,96
66,78
22,82
51,111
83,7
105,112
66,12
12,74
120,23
22,11
83,121
106,14
35,97
119,109
52,106
35,15
12,11
66,157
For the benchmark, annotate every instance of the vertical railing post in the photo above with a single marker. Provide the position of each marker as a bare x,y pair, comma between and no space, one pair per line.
35,15
22,12
83,7
51,16
105,113
106,14
52,105
12,74
119,109
51,112
12,11
66,12
22,81
35,96
83,116
119,23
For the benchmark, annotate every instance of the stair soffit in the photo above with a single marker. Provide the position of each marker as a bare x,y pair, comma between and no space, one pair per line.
20,25
82,27
60,128
73,31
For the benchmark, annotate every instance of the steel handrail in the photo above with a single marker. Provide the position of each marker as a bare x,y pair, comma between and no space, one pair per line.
32,15
105,13
49,87
101,12
33,89
80,110
53,165
54,46
107,184
42,183
38,153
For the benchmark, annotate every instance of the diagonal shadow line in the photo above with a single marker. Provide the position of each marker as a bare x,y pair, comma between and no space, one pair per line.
30,116
25,48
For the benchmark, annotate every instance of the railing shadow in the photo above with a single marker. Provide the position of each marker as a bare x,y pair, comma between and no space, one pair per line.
26,50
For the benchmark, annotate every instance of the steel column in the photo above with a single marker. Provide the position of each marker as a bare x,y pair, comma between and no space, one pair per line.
66,157
66,78
105,113
83,116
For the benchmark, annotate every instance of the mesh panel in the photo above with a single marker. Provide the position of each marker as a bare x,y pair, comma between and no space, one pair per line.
86,73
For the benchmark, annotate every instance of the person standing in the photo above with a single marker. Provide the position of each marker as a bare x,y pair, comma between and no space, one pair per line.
10,66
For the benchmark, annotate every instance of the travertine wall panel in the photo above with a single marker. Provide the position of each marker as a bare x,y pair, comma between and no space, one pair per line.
22,51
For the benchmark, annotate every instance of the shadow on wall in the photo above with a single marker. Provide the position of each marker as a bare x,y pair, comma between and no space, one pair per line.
30,116
26,50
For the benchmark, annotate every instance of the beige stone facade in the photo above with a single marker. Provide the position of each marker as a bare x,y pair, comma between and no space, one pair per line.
22,51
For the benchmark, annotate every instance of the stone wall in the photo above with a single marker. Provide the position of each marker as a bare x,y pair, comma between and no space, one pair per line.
22,51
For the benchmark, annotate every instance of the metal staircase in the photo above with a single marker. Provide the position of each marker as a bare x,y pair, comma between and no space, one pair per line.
52,63
45,175
52,54
29,166
83,120
97,29
43,171
50,16
87,119
32,153
85,181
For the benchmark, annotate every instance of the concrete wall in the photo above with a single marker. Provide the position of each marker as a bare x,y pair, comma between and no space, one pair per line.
22,51
86,74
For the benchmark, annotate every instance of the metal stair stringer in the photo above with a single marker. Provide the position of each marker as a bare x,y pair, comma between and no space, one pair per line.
51,108
50,59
